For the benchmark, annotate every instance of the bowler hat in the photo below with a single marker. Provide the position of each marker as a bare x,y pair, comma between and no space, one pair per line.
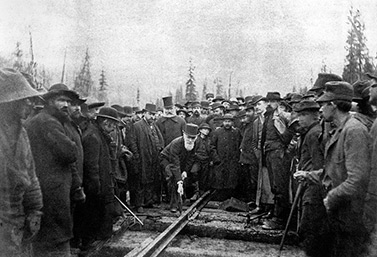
336,90
191,130
128,111
152,108
204,104
95,105
322,79
228,116
294,98
359,90
184,111
136,109
250,105
218,98
108,113
248,98
217,105
306,105
196,104
204,126
273,96
168,101
60,89
210,95
14,86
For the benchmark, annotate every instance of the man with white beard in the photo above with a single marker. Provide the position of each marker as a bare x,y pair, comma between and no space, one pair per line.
177,160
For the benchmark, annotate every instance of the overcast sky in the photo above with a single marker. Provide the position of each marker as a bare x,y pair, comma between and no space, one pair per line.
267,45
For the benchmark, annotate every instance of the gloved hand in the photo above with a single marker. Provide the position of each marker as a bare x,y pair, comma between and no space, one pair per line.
32,225
184,175
180,188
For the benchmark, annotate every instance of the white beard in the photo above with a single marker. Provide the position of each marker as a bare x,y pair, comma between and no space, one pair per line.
189,146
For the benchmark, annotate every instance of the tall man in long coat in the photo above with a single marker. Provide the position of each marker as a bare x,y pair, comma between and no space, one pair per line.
170,125
21,196
98,178
55,154
146,148
226,141
346,171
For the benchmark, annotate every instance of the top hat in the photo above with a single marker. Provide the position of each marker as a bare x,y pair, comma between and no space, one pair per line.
273,96
152,108
322,79
60,89
168,101
336,90
191,130
14,86
95,105
108,113
306,105
204,126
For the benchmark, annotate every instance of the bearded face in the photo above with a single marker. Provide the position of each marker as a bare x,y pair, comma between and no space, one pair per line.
189,142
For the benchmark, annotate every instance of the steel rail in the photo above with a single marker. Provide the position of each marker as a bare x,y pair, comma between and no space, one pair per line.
154,248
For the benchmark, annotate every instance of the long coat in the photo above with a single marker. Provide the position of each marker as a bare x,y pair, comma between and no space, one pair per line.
226,142
97,164
146,150
171,128
347,170
54,154
247,155
19,186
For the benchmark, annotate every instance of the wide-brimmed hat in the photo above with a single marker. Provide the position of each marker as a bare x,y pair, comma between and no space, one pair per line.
306,105
136,109
191,130
14,86
360,90
119,109
95,105
108,113
128,111
255,99
204,104
273,96
249,105
152,108
322,79
60,89
168,101
218,98
196,104
204,126
217,105
336,90
241,114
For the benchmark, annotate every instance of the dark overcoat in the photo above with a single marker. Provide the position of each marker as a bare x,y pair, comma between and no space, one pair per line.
54,154
171,128
247,155
226,142
147,150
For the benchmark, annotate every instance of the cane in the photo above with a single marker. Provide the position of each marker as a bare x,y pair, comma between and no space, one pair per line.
128,210
297,197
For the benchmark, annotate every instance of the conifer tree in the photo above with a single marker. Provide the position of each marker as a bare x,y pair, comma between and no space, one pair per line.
103,87
191,93
83,81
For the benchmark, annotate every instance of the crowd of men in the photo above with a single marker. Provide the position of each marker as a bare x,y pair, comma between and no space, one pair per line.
64,160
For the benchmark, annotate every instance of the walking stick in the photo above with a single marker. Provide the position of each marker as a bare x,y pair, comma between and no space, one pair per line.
297,197
128,210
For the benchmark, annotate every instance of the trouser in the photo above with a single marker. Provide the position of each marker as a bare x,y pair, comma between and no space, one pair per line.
247,183
264,195
144,194
278,172
174,196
